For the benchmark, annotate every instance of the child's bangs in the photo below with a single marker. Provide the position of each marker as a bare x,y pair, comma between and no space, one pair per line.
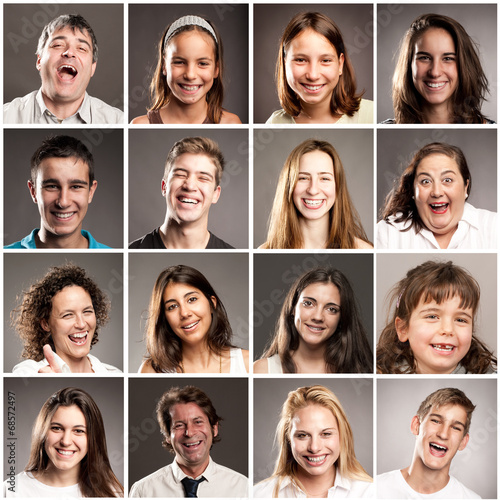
442,290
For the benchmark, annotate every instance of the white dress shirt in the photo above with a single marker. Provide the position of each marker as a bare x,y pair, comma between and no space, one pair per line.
476,230
342,488
26,486
166,482
32,109
32,367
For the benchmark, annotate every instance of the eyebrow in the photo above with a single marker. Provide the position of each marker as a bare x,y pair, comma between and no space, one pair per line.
436,309
203,172
185,296
57,181
73,427
454,422
319,173
446,172
422,52
312,299
63,37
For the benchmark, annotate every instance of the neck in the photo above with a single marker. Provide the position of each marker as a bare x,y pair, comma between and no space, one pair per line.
425,480
444,239
317,113
437,114
62,110
198,358
317,486
46,239
57,477
315,232
184,235
310,359
193,471
77,365
178,112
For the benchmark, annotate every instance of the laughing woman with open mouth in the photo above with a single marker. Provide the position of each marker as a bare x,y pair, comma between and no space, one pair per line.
58,320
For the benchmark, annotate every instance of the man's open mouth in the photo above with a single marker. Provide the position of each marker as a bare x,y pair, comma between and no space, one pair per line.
67,72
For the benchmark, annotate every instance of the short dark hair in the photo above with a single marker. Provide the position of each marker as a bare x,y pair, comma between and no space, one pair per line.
184,395
62,146
67,21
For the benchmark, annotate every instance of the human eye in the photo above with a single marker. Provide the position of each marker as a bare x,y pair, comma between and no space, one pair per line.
68,315
463,320
55,428
51,187
423,57
178,426
326,178
449,58
299,59
333,310
79,431
307,303
425,182
303,177
170,307
431,316
89,310
192,299
300,435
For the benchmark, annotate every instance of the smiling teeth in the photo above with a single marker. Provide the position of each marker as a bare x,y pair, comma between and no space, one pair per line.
440,347
315,328
190,87
316,459
435,85
65,452
313,203
189,200
79,335
439,447
313,87
63,215
192,444
191,325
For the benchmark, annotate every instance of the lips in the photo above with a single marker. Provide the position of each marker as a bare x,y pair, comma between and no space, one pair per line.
315,461
191,445
315,329
63,215
312,89
190,327
443,348
312,203
439,208
65,453
437,450
189,89
188,201
79,338
435,85
67,72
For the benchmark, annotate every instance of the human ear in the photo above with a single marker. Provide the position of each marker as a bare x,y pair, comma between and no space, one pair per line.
216,73
215,429
401,329
45,325
464,442
32,189
92,190
415,425
216,195
341,63
214,301
38,65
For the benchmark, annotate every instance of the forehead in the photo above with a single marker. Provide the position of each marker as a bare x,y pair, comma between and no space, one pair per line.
435,39
191,41
314,416
194,163
452,412
437,163
62,169
178,290
70,414
186,411
316,161
70,294
71,33
322,292
312,42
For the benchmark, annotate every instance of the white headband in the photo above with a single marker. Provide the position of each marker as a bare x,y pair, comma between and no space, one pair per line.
189,21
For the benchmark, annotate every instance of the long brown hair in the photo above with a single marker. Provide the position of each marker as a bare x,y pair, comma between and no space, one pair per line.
472,82
344,97
400,202
438,281
347,464
164,346
345,223
160,91
97,479
347,350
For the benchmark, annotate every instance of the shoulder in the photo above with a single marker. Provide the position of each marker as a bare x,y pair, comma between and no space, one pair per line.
103,113
365,112
28,367
392,485
459,490
361,244
14,111
264,246
100,367
215,242
389,121
92,242
280,116
231,480
229,118
146,367
141,488
27,242
246,358
149,240
265,488
140,120
260,366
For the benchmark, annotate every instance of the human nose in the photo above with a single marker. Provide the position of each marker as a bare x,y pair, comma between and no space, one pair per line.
188,431
435,69
437,189
65,438
446,326
190,73
312,187
189,183
63,199
312,71
184,310
443,431
79,321
69,52
317,314
314,444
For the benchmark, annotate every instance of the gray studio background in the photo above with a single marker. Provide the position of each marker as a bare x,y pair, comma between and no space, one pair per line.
397,404
23,25
227,273
480,22
148,150
104,219
146,26
106,269
355,22
271,149
32,392
396,148
274,274
355,395
230,399
393,267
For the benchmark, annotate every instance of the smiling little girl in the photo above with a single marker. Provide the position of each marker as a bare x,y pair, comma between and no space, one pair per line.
187,85
314,75
432,327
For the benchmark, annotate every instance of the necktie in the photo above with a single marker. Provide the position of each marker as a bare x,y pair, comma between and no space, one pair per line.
191,486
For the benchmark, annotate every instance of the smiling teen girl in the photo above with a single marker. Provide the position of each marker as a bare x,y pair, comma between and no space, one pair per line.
319,329
59,320
438,76
316,451
69,455
188,330
431,329
314,75
312,207
187,85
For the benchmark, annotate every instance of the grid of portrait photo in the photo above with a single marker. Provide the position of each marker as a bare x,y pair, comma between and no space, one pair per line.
249,249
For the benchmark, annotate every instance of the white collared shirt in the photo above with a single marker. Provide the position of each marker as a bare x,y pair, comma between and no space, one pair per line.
166,482
342,488
32,109
32,367
476,230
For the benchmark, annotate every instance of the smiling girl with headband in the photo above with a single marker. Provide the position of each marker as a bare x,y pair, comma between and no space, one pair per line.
187,85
